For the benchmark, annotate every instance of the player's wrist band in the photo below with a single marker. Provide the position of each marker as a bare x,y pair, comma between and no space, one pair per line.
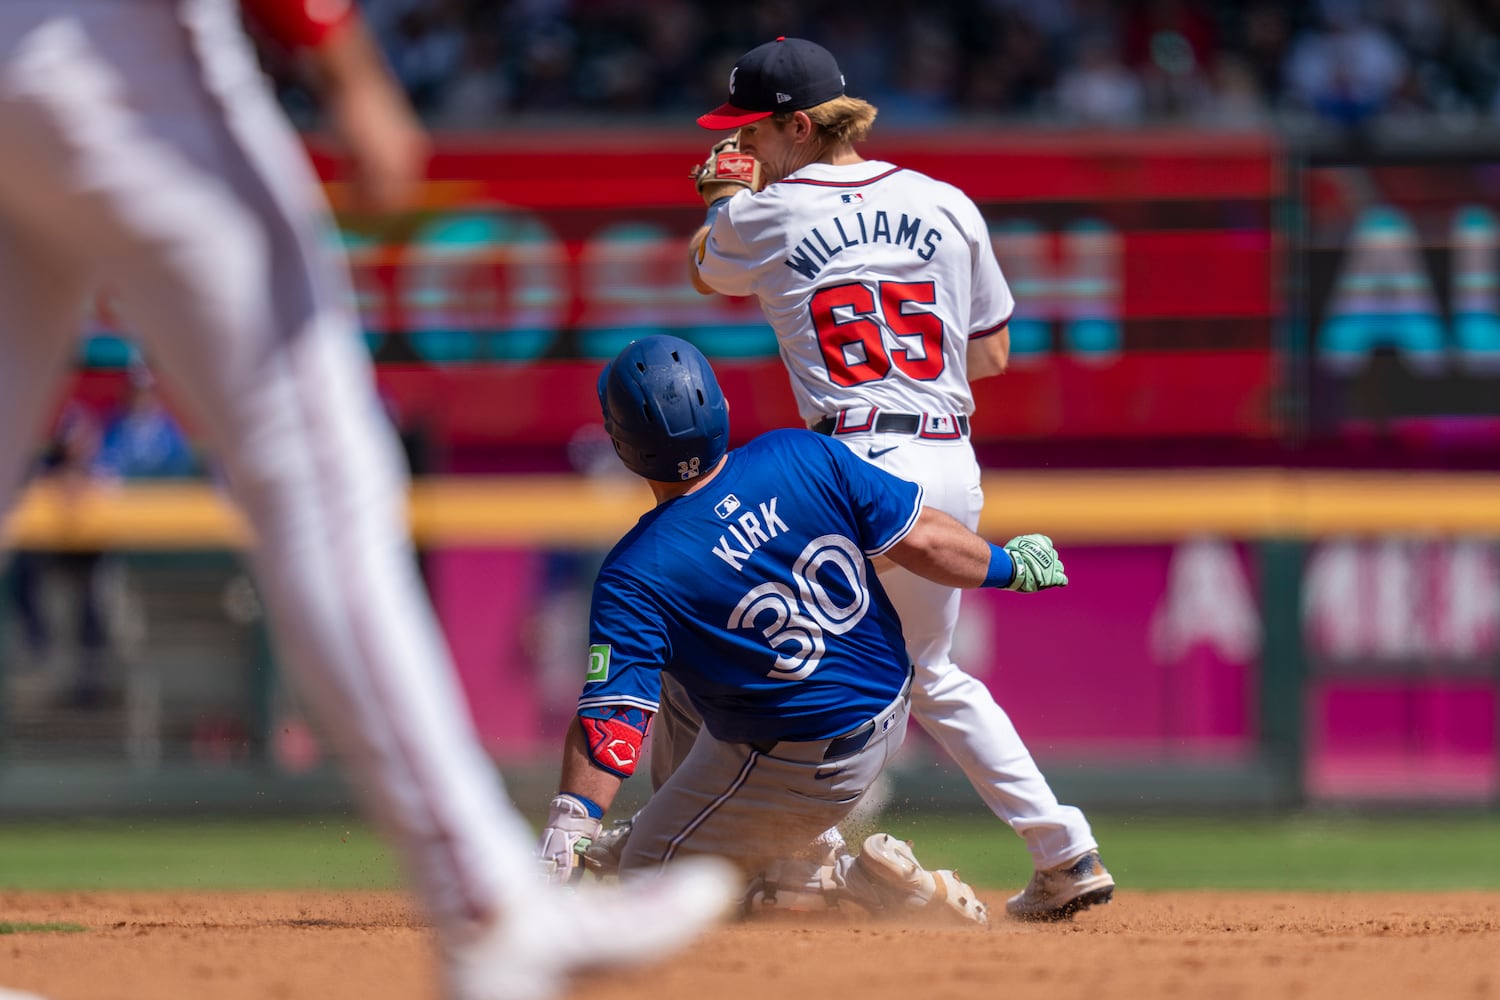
715,209
1002,568
593,808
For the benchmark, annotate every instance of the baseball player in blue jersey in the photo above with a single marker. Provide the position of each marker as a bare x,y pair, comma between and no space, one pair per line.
750,587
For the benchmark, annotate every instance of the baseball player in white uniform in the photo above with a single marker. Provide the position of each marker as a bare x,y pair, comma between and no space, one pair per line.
887,302
144,151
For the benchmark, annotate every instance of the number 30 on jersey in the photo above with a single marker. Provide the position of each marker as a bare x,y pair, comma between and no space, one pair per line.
794,624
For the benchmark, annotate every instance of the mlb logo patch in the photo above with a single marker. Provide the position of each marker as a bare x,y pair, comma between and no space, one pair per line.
727,506
851,199
939,427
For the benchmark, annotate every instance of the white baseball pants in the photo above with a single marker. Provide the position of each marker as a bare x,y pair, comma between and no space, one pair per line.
143,153
956,709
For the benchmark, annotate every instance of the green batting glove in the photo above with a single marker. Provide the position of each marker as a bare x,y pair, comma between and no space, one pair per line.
1038,566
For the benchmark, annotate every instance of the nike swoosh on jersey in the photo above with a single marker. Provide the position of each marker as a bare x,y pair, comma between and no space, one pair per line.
821,775
877,452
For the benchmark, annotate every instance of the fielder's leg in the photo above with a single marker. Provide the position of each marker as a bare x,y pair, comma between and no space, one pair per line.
41,301
211,225
957,710
208,226
148,133
292,415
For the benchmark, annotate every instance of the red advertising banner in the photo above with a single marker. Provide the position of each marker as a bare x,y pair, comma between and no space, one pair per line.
1144,267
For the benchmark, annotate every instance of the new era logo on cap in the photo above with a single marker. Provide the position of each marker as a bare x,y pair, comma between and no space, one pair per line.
789,74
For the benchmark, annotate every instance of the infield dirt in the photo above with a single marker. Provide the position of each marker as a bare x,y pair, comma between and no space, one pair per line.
371,946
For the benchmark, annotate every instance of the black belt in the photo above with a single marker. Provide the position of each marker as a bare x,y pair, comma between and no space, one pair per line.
851,742
841,746
892,423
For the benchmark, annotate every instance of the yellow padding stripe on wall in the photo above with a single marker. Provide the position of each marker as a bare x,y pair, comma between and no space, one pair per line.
1073,507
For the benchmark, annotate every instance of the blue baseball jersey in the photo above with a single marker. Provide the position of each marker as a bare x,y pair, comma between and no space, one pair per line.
757,594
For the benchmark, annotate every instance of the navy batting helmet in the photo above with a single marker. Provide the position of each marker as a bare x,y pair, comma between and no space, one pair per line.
664,409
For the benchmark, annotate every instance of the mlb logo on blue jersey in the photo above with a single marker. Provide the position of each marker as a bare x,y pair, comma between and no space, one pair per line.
727,506
850,199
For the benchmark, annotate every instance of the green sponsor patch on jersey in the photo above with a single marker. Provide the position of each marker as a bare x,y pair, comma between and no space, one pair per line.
598,664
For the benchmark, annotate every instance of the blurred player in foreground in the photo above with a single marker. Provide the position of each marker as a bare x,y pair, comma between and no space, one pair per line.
749,592
887,301
143,149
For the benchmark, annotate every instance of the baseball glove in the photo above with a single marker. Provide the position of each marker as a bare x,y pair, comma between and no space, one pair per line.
725,169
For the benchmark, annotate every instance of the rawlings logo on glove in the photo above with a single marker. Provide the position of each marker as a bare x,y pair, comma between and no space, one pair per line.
726,165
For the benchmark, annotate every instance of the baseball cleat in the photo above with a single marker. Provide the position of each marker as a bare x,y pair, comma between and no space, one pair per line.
1058,893
892,863
904,886
534,953
765,897
799,886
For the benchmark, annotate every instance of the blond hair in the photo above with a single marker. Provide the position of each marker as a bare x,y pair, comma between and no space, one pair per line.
843,120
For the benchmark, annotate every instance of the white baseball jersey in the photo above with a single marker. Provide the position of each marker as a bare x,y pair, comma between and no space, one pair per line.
874,278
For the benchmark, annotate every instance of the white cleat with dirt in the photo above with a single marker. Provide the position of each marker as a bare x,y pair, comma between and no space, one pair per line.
1058,893
905,886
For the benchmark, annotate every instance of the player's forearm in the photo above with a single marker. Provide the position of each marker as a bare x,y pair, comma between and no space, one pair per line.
942,550
346,61
695,254
989,355
580,776
385,145
330,36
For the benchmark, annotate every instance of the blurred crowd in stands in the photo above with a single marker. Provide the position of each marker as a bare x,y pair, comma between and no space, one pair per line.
475,63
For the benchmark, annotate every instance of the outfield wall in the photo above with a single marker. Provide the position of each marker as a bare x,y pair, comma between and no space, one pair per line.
1246,368
1250,636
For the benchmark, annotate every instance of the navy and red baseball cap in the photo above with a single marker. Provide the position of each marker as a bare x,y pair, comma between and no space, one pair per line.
789,74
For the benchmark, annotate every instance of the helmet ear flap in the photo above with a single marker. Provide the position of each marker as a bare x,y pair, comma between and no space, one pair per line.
664,410
602,384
